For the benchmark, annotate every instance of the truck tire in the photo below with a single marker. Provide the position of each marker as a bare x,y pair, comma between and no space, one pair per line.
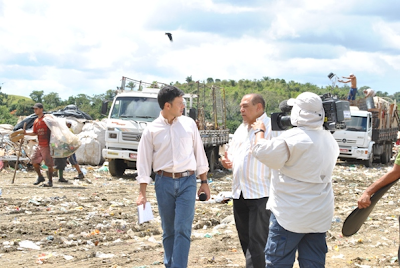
390,151
385,154
368,162
212,156
116,167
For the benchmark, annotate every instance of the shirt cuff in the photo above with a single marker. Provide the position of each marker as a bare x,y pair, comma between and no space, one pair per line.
144,179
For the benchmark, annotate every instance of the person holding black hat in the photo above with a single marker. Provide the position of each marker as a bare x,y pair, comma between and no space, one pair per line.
41,152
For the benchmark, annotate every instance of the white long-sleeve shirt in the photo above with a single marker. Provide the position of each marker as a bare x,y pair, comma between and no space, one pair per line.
175,147
301,194
250,176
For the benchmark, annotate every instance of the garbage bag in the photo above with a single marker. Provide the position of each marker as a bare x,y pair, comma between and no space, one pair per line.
63,142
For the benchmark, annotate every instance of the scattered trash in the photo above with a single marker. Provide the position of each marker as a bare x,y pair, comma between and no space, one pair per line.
29,244
104,256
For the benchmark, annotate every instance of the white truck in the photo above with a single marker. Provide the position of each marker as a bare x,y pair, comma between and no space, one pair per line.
370,134
130,113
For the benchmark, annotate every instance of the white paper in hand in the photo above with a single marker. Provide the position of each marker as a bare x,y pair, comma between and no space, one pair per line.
145,214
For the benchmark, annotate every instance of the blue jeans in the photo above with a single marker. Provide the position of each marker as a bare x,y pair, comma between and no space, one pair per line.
176,198
282,245
352,94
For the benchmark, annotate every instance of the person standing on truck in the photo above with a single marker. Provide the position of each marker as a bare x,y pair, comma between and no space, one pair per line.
353,86
369,92
251,179
172,146
42,150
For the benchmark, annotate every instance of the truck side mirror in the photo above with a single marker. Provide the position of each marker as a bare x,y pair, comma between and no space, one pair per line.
104,107
193,113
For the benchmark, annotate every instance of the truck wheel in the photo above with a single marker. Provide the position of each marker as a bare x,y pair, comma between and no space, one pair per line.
116,167
390,151
385,154
368,162
212,156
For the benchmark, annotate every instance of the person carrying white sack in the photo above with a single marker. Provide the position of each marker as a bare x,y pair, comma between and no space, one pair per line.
301,196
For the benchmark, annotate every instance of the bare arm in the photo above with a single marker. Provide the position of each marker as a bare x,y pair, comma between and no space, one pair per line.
259,125
365,200
141,199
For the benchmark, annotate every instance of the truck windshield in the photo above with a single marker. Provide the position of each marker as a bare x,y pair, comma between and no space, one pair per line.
136,108
357,123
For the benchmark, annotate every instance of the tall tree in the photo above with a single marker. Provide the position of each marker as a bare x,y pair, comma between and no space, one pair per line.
37,96
131,85
51,101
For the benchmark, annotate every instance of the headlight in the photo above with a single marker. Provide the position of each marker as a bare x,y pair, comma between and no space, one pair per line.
112,135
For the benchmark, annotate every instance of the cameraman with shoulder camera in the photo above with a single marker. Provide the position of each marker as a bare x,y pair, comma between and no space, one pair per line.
301,198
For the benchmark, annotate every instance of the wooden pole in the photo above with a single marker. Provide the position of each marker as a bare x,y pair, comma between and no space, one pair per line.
19,152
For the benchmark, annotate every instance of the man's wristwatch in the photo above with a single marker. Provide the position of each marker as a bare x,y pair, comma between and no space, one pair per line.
258,130
204,182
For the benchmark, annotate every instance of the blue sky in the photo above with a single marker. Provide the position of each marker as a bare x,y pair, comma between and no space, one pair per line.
85,47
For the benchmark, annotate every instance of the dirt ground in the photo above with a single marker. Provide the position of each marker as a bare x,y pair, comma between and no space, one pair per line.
93,223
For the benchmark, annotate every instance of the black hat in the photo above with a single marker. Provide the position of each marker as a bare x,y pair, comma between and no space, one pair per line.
38,105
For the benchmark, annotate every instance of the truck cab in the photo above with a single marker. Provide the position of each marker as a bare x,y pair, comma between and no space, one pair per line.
129,115
355,141
370,134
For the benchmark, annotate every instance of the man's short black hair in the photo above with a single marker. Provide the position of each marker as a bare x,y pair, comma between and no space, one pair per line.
168,94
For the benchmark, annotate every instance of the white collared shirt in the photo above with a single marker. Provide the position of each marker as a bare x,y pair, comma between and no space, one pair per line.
250,176
175,147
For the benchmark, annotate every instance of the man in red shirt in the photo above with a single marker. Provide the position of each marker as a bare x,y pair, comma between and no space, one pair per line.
41,152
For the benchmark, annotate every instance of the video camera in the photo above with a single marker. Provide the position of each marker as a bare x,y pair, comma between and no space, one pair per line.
336,113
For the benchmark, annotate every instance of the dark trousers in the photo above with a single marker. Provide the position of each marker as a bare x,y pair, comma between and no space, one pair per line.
252,225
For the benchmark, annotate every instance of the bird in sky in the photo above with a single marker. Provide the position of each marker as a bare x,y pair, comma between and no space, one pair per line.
169,36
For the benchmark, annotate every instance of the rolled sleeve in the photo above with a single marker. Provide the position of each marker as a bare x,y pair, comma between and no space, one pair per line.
200,155
272,153
145,158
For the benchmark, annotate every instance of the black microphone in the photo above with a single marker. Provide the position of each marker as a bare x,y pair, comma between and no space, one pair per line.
285,108
203,197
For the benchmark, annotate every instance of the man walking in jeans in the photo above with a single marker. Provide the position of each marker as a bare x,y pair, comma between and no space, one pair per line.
172,146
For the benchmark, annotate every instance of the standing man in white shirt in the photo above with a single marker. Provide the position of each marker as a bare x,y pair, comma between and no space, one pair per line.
301,197
172,147
251,180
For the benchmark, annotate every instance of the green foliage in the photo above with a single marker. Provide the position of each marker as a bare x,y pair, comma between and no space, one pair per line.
274,90
37,96
6,117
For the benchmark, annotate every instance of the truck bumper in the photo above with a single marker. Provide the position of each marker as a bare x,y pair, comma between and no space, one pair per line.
354,153
119,154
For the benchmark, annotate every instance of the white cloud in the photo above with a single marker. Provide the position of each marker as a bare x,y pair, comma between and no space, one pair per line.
75,47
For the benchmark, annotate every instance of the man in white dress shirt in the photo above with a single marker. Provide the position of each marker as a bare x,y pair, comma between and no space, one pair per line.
172,147
301,197
250,184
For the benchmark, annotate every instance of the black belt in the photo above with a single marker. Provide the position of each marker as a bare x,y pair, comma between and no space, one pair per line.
175,175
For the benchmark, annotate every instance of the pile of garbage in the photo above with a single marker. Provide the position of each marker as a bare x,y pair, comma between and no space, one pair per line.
86,140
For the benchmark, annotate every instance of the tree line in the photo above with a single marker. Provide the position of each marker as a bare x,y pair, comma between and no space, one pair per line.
274,90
